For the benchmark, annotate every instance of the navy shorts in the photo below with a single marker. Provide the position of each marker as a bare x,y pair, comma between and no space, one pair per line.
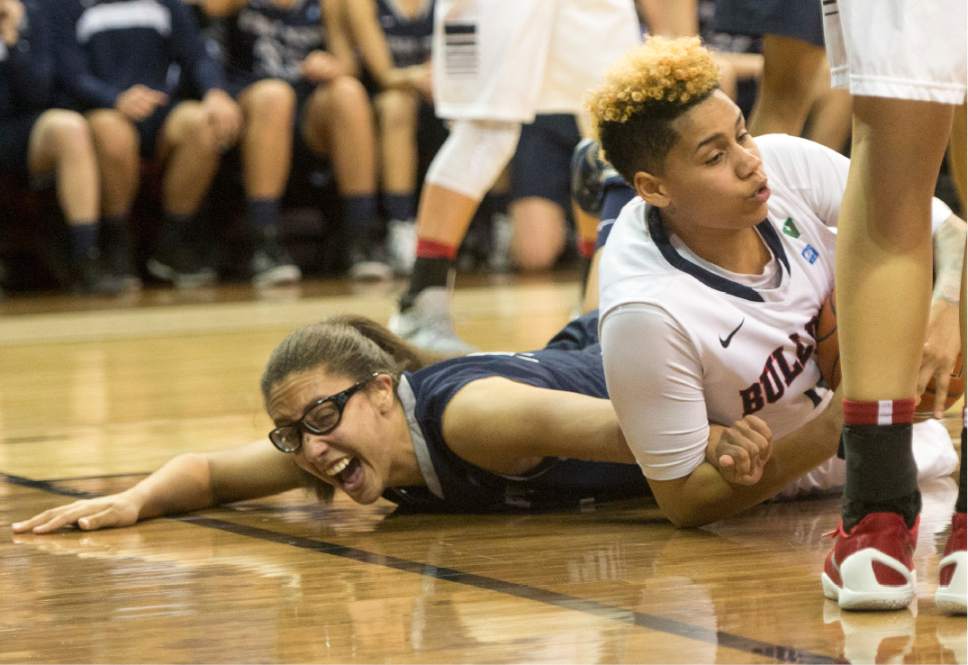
800,19
14,142
579,333
541,166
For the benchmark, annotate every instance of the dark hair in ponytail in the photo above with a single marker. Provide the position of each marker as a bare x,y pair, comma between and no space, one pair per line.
348,345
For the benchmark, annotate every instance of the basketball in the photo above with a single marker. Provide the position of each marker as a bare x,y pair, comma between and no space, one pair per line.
828,348
828,359
956,388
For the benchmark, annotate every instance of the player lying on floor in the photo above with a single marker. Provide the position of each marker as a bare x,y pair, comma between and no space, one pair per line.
721,261
355,410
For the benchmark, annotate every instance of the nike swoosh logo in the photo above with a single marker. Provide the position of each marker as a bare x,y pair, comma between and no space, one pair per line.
729,337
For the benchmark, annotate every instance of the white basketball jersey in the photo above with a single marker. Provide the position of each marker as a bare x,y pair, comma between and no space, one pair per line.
755,346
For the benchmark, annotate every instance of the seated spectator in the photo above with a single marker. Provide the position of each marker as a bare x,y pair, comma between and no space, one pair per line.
35,142
114,59
289,68
393,40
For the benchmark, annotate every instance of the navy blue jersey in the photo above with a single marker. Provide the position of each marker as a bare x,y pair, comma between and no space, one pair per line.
573,365
268,41
409,38
26,68
103,47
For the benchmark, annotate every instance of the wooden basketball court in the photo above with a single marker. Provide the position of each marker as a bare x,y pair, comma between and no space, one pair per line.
94,394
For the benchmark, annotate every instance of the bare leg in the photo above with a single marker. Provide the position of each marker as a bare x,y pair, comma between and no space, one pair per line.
190,150
590,297
538,233
587,238
884,246
61,142
268,106
830,116
787,88
397,113
117,144
444,215
339,123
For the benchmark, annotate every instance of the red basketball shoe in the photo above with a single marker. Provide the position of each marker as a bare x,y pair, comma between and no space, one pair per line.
953,570
872,567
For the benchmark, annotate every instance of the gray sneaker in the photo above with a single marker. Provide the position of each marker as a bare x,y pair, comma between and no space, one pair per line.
368,262
402,245
428,326
271,265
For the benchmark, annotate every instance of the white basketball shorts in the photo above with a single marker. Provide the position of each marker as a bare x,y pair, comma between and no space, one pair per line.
905,49
508,60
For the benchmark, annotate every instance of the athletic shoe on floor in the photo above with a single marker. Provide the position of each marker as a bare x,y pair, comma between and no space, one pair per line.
91,278
116,250
427,324
271,265
953,570
181,266
872,567
368,262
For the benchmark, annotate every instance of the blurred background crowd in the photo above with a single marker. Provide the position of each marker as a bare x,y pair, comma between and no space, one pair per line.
189,142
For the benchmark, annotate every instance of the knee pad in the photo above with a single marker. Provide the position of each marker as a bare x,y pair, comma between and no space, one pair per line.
473,156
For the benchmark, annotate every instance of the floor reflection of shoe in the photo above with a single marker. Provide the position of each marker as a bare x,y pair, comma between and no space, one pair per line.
427,324
872,567
885,637
271,265
402,245
952,637
950,596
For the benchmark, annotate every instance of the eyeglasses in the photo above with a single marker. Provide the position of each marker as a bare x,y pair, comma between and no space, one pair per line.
320,417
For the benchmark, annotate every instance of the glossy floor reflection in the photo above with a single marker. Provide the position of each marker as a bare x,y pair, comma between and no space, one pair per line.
287,579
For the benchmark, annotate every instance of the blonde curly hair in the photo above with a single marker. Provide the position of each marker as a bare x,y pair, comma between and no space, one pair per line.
642,93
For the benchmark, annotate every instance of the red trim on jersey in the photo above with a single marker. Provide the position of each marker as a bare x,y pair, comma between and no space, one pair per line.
879,412
430,249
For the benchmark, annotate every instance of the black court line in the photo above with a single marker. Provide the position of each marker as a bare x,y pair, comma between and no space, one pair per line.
782,653
100,476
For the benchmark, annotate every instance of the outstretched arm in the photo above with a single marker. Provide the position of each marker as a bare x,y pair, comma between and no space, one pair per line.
187,482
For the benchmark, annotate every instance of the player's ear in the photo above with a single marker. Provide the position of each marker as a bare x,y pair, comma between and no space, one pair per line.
651,188
385,392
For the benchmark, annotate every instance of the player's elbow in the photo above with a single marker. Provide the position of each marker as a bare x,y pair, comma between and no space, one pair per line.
683,513
688,518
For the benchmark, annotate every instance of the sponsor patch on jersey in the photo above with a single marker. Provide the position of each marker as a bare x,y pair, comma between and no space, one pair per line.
810,254
790,228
